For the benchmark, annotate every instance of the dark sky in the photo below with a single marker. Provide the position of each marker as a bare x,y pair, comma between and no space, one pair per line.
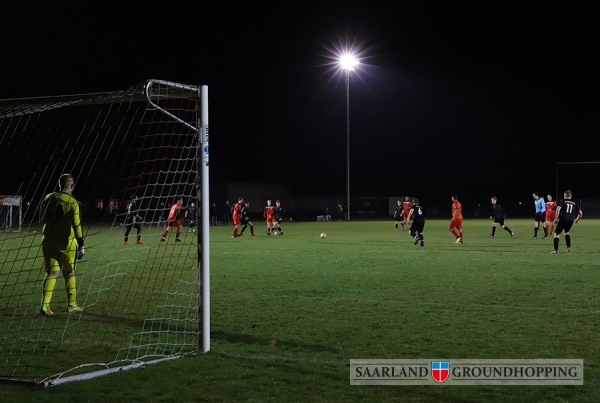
476,99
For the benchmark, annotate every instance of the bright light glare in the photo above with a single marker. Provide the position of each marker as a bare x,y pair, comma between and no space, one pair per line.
348,62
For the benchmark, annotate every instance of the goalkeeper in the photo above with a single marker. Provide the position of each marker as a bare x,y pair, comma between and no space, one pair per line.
62,242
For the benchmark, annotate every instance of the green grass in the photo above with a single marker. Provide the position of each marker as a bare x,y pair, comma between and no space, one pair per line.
289,312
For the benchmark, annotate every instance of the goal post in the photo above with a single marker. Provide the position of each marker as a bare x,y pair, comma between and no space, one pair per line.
143,302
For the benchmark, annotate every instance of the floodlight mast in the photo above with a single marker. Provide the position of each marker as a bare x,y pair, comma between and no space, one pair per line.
348,62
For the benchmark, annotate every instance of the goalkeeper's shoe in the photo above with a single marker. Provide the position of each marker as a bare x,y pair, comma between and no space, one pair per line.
125,242
163,239
74,308
178,240
45,310
140,242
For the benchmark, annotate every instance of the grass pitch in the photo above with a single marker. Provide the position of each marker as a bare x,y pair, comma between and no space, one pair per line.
289,312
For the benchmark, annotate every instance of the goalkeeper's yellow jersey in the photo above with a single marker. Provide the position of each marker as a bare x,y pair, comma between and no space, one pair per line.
60,219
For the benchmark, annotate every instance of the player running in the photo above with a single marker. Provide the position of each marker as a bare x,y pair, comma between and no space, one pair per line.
417,222
173,219
406,206
269,215
455,225
498,218
550,214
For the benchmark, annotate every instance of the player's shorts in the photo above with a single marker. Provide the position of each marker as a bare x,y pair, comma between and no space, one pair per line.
271,218
499,221
405,214
59,259
417,227
455,224
237,220
540,217
563,225
174,223
551,216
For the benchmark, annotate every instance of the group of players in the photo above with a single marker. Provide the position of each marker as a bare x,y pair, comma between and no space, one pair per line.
273,214
555,218
559,217
63,242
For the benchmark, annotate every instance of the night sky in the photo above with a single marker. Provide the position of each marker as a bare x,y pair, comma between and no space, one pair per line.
477,100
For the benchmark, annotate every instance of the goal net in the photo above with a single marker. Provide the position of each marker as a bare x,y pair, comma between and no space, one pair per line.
143,302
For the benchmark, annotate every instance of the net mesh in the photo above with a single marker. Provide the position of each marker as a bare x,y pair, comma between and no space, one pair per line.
140,300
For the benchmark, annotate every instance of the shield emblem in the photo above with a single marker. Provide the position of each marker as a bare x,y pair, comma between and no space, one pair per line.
440,370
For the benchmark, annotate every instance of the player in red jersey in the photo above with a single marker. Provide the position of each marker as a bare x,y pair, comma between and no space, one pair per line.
269,215
550,214
237,216
456,222
173,219
406,206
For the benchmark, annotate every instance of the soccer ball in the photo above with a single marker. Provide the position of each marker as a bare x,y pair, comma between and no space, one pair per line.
323,235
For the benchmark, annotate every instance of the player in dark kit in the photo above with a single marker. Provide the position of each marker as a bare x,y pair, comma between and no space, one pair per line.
567,213
246,219
398,214
279,212
498,218
190,214
417,222
133,220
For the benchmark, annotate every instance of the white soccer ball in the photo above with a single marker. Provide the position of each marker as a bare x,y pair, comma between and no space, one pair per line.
323,235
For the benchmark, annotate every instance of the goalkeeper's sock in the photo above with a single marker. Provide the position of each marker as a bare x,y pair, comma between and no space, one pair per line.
71,287
49,283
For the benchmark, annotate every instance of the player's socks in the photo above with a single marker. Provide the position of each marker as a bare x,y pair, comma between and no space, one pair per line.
71,287
396,225
556,243
49,283
455,233
251,230
567,241
535,231
493,231
507,230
